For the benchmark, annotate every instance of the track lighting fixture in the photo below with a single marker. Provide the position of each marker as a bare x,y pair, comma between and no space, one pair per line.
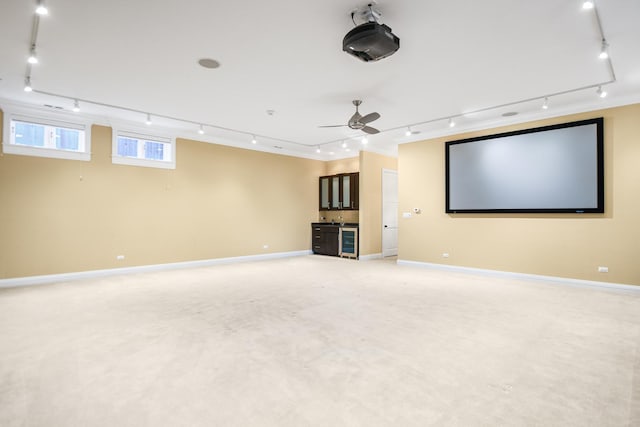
344,144
76,106
451,122
254,140
148,121
601,93
33,59
365,140
408,132
545,105
41,9
27,84
201,130
588,5
318,149
604,50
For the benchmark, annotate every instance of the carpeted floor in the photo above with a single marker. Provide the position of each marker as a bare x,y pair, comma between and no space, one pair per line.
318,341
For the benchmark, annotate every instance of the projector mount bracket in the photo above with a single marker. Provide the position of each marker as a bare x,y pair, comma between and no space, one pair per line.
366,13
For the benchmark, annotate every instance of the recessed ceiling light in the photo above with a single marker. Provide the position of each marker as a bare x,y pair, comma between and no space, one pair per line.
209,63
510,113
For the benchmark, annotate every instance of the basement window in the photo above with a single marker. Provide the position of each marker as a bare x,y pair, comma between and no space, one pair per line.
44,136
138,149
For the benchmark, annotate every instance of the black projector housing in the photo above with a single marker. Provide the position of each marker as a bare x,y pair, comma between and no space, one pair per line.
370,42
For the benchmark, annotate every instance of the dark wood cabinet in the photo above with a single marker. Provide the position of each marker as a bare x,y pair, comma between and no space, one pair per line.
324,239
339,192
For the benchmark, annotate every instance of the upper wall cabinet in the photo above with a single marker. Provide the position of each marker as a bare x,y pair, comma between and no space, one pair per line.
339,192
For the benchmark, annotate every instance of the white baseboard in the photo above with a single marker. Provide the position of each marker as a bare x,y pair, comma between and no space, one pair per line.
525,276
92,274
369,257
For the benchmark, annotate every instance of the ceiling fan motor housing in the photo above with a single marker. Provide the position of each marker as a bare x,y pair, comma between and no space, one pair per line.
370,42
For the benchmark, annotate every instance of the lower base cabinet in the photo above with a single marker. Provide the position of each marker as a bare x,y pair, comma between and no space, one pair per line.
324,239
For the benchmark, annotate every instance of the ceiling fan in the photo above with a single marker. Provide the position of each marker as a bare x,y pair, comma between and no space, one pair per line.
358,121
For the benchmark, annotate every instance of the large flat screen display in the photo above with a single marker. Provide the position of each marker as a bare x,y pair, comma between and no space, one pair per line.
551,169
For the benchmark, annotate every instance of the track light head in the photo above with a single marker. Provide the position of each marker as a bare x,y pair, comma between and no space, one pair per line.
33,58
254,140
408,132
452,123
201,130
545,105
148,121
601,92
588,5
76,106
365,140
41,9
27,84
318,149
604,50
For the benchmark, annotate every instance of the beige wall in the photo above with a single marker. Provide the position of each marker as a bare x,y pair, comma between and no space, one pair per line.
563,245
371,166
60,216
334,167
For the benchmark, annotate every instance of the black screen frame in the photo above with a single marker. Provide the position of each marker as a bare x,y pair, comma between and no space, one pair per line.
599,122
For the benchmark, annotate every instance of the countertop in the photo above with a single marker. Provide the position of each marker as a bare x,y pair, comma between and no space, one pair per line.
337,224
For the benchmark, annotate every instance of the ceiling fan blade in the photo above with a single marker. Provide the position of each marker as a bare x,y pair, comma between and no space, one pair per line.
332,126
370,130
369,118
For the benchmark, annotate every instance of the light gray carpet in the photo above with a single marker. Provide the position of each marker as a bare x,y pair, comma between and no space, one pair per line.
318,341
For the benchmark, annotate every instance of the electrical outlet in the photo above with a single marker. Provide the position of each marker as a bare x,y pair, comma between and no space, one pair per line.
120,257
265,246
445,255
603,269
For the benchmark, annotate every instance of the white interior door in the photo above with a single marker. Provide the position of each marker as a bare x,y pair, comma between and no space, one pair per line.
389,212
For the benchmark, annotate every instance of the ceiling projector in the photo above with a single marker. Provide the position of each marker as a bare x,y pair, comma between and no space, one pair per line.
371,41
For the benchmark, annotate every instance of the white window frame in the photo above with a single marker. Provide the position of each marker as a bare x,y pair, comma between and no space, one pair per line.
52,120
142,136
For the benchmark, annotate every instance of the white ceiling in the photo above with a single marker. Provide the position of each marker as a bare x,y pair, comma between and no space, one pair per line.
455,57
